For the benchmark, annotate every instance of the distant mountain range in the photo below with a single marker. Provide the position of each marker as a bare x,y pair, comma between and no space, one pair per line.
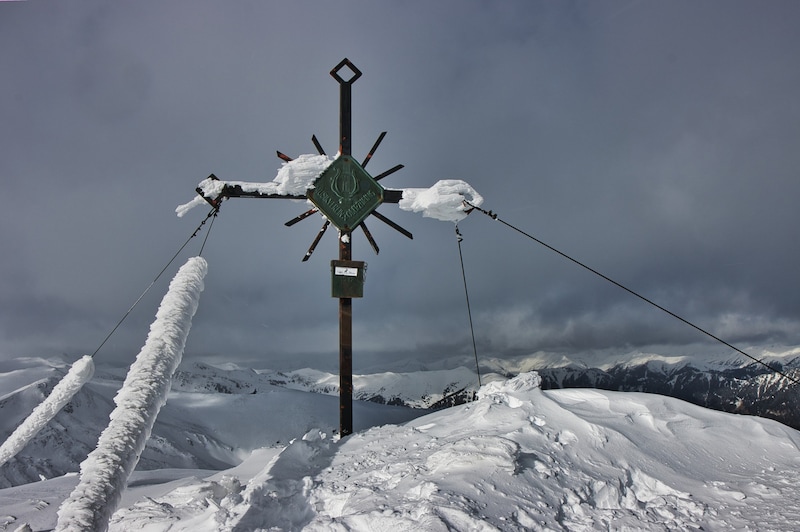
745,389
280,406
734,385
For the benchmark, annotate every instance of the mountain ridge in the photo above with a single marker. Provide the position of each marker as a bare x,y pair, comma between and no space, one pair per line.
179,439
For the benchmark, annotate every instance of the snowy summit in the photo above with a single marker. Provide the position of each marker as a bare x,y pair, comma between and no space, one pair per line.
518,458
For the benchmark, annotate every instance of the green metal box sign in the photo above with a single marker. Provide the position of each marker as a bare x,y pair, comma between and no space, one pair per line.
345,193
347,278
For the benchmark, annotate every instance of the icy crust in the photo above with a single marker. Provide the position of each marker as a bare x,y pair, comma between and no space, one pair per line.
80,372
519,458
298,175
443,201
105,472
294,179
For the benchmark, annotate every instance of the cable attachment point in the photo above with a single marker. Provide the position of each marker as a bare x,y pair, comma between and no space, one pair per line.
213,212
490,214
459,237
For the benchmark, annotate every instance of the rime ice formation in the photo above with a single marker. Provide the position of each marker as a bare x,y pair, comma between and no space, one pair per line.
104,474
80,372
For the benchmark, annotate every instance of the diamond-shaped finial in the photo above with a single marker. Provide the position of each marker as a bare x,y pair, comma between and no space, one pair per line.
354,73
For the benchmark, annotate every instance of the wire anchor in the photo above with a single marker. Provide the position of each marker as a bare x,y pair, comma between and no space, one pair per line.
213,212
459,238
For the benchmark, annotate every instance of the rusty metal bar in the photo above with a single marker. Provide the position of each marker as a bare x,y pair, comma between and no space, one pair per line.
317,145
391,224
285,157
316,240
345,347
345,105
388,172
345,253
235,191
300,217
345,366
372,151
391,195
369,238
345,123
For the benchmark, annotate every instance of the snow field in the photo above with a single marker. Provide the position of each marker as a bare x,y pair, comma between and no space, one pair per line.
519,458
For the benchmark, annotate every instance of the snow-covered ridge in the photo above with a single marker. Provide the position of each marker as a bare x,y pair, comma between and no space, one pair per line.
423,389
728,385
194,429
202,391
518,458
668,356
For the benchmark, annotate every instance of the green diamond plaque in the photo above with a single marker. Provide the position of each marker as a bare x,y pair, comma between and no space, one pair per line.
345,193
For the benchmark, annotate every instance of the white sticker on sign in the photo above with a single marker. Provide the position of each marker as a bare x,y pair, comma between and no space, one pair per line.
348,272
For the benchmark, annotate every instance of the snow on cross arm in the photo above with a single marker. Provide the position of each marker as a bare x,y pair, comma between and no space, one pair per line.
294,179
443,201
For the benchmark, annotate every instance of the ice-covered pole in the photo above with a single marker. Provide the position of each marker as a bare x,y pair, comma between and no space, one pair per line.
105,472
80,372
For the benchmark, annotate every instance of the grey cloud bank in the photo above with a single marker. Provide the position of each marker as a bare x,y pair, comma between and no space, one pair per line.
656,142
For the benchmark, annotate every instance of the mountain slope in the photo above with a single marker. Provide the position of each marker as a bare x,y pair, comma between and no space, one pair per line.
182,436
730,385
743,388
518,459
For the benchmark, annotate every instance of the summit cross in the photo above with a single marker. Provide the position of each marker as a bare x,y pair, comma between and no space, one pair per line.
345,194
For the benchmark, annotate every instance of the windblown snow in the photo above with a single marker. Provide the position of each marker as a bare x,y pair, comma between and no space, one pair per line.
443,201
104,474
518,458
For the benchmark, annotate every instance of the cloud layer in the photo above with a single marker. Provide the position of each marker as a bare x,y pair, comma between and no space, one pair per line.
655,142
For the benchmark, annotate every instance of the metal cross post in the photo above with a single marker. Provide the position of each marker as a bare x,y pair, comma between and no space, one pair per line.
346,195
345,254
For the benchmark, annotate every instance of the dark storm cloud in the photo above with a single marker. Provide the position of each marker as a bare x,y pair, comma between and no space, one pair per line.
654,141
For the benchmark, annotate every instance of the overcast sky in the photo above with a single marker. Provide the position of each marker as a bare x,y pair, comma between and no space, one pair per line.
657,142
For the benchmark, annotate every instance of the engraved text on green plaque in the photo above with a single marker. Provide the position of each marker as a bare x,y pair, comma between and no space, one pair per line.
345,193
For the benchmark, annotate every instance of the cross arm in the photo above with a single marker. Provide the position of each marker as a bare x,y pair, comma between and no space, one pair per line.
214,191
294,179
391,195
